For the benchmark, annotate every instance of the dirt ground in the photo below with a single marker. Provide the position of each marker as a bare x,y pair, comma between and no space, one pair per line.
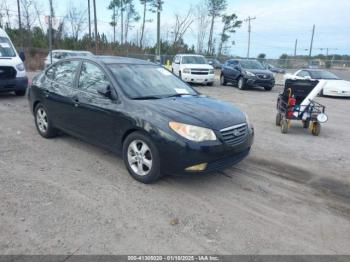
290,196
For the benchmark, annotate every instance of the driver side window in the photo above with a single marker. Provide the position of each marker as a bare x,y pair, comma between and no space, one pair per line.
91,77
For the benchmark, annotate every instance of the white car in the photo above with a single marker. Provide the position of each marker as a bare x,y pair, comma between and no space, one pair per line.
334,86
13,77
61,54
193,69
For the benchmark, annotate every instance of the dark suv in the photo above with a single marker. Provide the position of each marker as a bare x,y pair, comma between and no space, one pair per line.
246,73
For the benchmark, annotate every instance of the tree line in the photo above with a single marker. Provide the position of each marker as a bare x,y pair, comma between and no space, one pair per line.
71,30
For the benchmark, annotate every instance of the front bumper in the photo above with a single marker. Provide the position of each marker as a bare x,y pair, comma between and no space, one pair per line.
260,82
15,84
200,79
177,155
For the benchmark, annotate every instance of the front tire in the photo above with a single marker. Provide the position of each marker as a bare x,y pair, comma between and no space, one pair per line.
210,83
141,158
43,122
241,84
278,119
316,128
268,88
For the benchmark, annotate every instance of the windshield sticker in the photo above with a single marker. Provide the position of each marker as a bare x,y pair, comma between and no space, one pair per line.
181,91
4,45
164,71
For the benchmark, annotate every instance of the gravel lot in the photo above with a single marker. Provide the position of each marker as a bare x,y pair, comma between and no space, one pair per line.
290,196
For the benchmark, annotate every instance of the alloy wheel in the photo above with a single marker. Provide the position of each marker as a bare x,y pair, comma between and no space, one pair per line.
139,157
41,120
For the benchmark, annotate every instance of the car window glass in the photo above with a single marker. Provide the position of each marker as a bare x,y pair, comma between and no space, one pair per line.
50,73
65,72
303,73
232,63
91,77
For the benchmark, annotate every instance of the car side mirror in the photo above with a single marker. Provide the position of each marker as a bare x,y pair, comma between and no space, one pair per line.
307,77
22,56
105,90
177,62
210,62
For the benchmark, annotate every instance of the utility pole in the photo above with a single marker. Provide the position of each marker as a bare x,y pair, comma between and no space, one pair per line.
20,23
121,22
295,47
249,31
95,20
312,41
89,17
159,4
50,30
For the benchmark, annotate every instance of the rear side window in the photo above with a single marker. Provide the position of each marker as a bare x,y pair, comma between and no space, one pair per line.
91,77
64,73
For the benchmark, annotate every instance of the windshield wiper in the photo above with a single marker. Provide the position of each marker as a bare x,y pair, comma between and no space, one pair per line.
146,97
180,95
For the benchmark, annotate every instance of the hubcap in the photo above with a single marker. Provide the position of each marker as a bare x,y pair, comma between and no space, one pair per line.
140,157
41,120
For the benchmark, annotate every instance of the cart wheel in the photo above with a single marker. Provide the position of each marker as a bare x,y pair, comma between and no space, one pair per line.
306,123
284,126
316,128
278,119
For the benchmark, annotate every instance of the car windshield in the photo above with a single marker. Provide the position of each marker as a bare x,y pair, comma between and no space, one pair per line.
251,64
193,60
6,49
323,75
148,81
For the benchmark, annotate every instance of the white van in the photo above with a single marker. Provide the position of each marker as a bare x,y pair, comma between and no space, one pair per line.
13,77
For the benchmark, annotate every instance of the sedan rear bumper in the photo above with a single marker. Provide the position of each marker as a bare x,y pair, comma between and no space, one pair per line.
16,84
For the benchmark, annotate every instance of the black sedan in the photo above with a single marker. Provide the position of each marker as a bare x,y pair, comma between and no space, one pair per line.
159,123
246,73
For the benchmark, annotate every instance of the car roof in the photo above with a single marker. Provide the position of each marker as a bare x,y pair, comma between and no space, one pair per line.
109,60
190,55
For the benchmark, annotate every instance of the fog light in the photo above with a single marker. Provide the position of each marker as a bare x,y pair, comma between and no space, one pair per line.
199,167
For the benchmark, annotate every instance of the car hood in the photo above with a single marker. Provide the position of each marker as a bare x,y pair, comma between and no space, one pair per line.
198,66
197,110
338,84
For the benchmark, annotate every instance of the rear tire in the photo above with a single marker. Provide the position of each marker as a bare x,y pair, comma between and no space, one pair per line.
316,128
284,126
20,92
43,122
241,84
210,84
306,124
268,88
278,119
141,158
223,81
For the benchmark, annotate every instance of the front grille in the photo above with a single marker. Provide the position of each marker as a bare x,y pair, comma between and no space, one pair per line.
234,135
199,71
7,72
263,76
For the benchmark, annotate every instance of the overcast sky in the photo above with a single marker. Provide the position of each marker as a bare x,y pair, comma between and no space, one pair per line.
278,23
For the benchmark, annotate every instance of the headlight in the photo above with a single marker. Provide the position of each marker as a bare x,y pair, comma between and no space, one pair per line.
211,71
193,133
186,71
248,121
249,73
20,67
